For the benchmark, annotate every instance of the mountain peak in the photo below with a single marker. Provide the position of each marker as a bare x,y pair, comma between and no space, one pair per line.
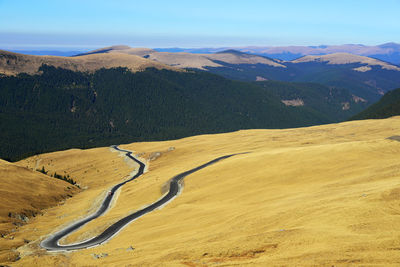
232,51
390,45
106,49
139,51
120,47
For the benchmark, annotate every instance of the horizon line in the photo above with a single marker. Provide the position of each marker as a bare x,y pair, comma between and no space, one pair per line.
85,47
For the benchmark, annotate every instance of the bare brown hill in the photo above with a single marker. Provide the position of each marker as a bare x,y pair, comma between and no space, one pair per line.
14,63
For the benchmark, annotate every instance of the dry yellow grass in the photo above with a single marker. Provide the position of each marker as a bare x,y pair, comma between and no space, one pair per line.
23,195
317,196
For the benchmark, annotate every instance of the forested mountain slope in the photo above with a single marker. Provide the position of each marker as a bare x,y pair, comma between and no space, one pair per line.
60,108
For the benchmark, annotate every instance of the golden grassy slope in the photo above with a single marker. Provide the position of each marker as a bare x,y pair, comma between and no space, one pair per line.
325,195
13,63
23,194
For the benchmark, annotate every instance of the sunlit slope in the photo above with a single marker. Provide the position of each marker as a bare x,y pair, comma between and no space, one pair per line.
23,190
24,194
325,195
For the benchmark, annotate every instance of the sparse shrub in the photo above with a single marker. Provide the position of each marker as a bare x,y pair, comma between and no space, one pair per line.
58,176
42,170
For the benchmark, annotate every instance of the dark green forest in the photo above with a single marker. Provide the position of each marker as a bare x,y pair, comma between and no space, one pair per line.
330,101
60,109
362,84
388,106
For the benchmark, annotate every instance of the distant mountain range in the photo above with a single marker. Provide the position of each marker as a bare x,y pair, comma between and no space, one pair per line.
389,52
365,77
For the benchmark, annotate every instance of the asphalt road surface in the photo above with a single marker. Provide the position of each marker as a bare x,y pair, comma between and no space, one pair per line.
52,242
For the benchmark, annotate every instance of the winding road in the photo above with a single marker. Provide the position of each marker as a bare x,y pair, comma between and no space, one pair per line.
51,243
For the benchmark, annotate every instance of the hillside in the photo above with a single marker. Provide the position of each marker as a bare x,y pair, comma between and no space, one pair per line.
387,106
317,196
14,63
24,194
317,97
61,109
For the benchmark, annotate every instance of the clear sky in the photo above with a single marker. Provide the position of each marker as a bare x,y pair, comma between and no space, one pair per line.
203,23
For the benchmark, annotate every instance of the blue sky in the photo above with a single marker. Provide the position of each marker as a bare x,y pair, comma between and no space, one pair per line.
90,24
